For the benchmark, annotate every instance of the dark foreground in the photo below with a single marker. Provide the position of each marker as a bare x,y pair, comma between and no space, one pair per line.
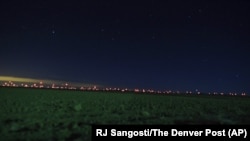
40,114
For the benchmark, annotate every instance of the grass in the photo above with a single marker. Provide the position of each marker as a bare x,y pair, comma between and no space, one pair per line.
43,114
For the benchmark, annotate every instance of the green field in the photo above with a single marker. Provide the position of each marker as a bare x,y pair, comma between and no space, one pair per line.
41,114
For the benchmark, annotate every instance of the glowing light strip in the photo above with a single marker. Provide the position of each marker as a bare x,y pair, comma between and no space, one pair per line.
31,80
18,79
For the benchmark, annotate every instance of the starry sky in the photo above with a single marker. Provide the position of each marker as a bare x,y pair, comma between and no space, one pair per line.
162,45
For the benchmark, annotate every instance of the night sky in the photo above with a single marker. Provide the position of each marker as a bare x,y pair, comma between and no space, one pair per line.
160,45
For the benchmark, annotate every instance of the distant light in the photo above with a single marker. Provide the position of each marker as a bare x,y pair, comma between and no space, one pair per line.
136,90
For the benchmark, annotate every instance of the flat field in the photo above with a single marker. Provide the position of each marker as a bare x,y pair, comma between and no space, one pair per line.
46,114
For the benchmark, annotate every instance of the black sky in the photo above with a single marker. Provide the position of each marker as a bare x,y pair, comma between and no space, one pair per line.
175,44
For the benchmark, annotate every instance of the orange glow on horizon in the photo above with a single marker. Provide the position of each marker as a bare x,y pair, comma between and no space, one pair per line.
41,81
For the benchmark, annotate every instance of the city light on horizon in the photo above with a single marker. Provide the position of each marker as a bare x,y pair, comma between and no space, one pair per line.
7,81
41,81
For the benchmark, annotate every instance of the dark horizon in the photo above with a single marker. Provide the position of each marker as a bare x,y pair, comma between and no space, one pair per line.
160,45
